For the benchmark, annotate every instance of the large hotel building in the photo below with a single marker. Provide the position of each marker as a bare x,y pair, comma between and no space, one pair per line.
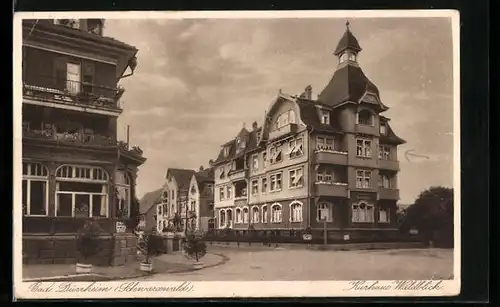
329,162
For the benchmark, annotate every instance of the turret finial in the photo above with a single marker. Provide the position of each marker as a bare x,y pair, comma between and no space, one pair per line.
347,24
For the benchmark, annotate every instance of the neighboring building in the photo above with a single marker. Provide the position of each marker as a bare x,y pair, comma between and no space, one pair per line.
148,210
332,160
73,165
201,199
175,194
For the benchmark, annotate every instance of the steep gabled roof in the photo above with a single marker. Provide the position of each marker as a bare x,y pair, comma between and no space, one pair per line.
149,199
182,176
251,144
348,83
390,137
310,116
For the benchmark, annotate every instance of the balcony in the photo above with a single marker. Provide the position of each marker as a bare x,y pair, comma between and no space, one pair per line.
282,131
89,96
392,194
366,129
327,155
388,164
329,188
79,139
238,174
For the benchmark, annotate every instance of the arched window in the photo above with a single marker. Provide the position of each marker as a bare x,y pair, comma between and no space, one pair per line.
35,189
276,213
255,215
229,217
362,213
245,215
365,117
292,117
82,191
296,212
122,184
264,214
222,218
239,217
324,212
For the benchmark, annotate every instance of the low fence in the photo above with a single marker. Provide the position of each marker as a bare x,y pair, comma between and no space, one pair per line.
266,237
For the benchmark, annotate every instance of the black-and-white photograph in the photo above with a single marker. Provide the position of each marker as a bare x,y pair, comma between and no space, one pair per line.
212,147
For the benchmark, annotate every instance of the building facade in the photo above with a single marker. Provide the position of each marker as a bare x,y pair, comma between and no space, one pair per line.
175,197
326,162
201,200
74,168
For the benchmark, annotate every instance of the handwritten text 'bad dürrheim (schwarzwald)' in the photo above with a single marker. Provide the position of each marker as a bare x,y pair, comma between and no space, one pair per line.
132,286
402,285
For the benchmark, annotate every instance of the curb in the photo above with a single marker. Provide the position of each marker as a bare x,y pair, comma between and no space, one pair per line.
100,277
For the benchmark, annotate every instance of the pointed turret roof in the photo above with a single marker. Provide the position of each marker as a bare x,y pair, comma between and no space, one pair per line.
348,41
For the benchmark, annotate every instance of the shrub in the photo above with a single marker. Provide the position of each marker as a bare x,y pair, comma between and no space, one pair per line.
150,245
87,239
194,246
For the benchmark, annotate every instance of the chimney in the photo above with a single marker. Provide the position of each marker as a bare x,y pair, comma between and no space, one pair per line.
254,126
201,168
308,92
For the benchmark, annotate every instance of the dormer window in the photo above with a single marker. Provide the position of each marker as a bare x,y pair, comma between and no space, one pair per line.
383,129
365,117
325,117
222,173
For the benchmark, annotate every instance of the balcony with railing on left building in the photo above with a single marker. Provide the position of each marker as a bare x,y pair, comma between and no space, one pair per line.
61,92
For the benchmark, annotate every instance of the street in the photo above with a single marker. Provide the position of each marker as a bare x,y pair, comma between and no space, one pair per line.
286,265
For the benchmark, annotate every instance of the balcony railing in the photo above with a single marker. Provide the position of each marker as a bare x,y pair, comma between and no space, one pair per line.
79,139
386,193
331,188
285,130
388,164
328,155
238,174
72,92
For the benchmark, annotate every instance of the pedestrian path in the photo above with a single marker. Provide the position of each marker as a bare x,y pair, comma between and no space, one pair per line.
164,264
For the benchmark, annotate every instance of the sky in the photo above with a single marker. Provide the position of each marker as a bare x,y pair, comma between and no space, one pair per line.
199,80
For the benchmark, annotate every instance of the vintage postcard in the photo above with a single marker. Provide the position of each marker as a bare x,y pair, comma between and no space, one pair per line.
236,154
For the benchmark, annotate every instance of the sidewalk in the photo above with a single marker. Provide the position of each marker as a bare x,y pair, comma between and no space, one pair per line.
164,264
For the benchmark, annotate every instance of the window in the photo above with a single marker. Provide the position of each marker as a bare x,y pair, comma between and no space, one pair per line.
264,159
221,193
264,214
255,215
81,191
325,143
363,148
365,117
292,117
222,218
245,215
325,117
343,57
275,182
229,217
296,178
192,206
276,213
264,185
239,217
210,189
296,148
160,210
88,77
325,175
255,187
384,152
276,154
226,151
383,216
193,189
73,78
351,57
324,212
222,172
228,190
255,162
296,212
259,134
35,191
122,184
362,213
164,196
363,179
384,181
383,129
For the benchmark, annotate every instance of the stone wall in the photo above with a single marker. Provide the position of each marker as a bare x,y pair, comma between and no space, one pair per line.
117,249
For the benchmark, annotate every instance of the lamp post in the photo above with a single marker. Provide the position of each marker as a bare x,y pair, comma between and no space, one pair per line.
325,233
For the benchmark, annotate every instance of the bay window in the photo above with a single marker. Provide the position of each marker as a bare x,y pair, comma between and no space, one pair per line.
35,191
82,191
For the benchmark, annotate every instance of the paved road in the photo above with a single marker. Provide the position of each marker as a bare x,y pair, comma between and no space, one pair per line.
286,265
